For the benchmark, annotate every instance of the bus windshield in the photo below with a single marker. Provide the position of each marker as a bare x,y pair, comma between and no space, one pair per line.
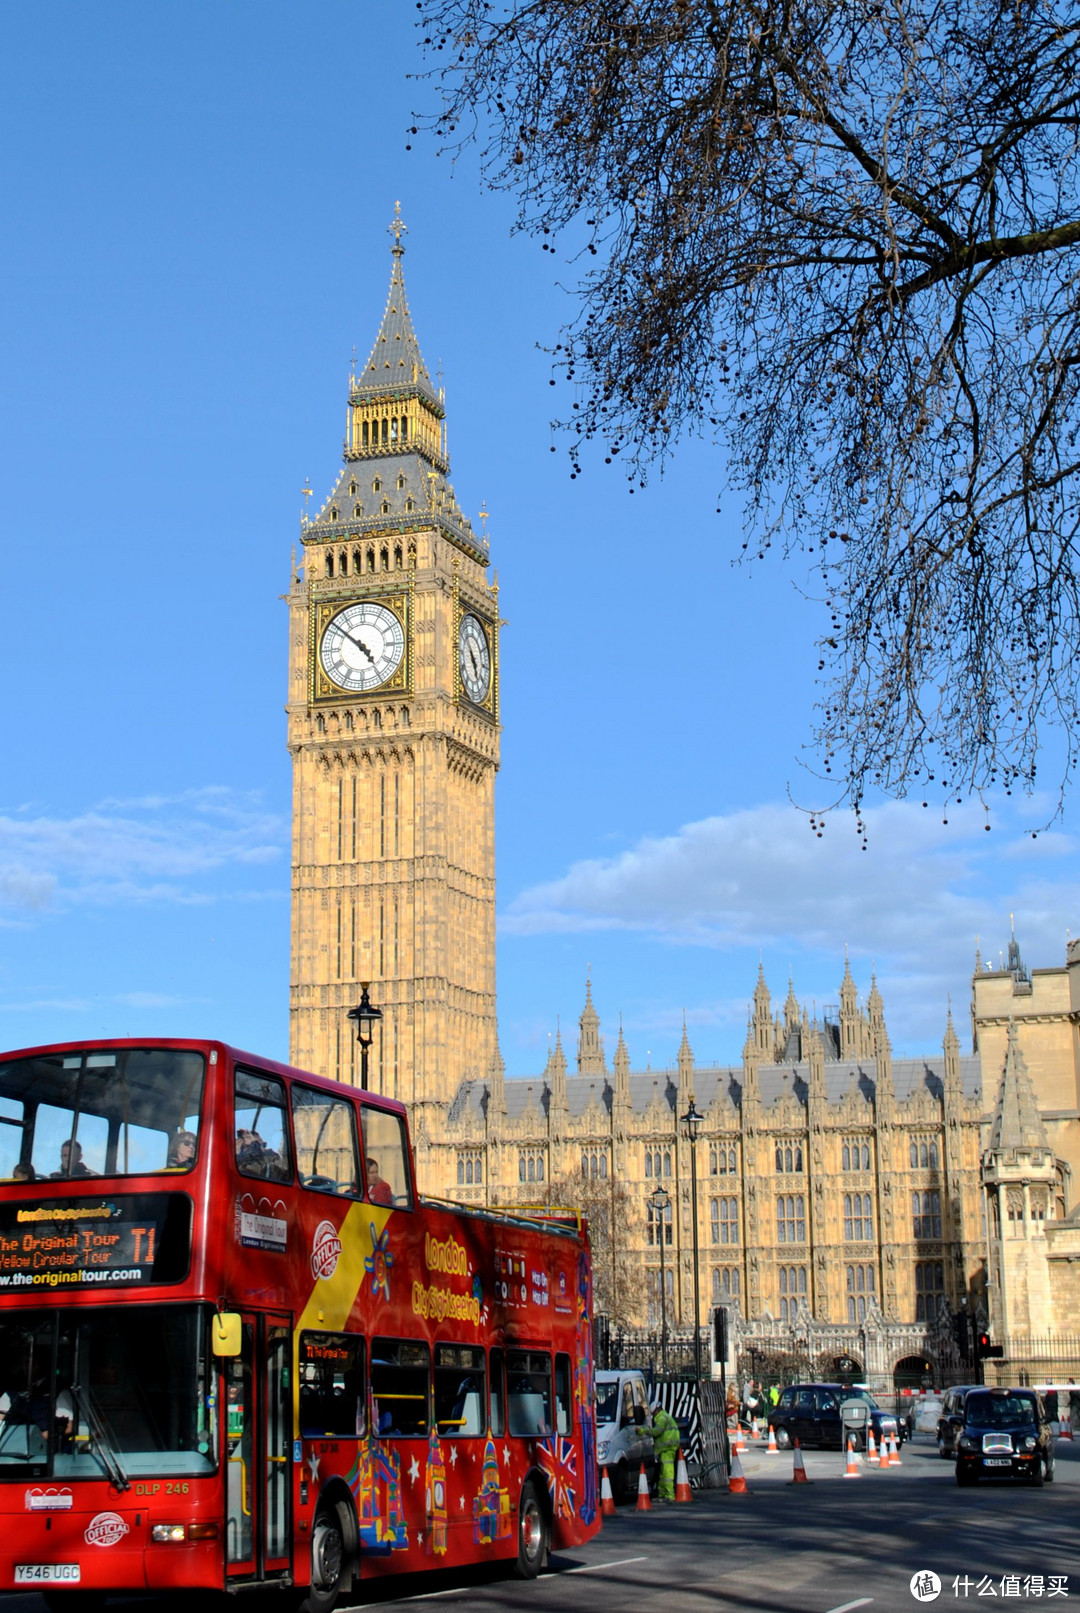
120,1112
114,1392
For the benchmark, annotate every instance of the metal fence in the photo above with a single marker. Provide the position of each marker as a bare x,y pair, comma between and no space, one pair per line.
667,1364
1033,1361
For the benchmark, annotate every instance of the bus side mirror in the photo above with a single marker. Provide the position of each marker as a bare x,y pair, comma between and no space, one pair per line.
225,1333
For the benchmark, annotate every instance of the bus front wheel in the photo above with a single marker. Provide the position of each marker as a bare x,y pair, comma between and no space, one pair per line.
532,1533
328,1559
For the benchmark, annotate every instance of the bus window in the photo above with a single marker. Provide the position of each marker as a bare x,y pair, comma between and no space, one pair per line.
119,1110
385,1158
528,1376
399,1388
562,1394
497,1400
331,1385
262,1136
459,1390
11,1137
325,1133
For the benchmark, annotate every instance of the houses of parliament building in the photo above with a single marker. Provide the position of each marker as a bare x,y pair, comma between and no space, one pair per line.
838,1187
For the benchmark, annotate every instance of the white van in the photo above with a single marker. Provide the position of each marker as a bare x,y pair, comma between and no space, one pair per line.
622,1408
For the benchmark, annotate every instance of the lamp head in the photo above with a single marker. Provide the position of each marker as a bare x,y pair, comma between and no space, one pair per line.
366,1015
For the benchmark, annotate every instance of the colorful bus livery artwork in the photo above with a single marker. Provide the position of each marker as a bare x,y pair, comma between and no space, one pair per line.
237,1348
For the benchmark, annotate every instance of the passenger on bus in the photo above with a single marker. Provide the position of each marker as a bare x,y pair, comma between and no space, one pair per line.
379,1190
24,1173
182,1151
256,1159
71,1162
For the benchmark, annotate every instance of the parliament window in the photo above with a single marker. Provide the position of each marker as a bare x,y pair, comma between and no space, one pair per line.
860,1283
858,1217
929,1288
926,1214
652,1225
725,1283
855,1155
723,1161
789,1158
531,1165
923,1154
657,1162
594,1163
792,1286
724,1220
470,1168
656,1312
790,1218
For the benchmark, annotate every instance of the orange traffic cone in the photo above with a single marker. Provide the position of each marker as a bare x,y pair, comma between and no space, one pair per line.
798,1475
755,1432
852,1469
871,1448
737,1478
740,1443
1065,1428
894,1454
644,1500
884,1462
607,1500
682,1480
774,1449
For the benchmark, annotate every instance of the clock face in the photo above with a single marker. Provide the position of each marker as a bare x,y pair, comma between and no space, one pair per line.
474,659
362,646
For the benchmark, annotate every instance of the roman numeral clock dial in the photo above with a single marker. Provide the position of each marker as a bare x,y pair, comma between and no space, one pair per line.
362,646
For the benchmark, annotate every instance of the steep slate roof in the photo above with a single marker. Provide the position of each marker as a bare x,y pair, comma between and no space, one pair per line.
909,1075
1017,1123
395,361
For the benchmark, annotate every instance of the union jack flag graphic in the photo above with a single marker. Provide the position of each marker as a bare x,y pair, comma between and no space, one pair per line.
558,1458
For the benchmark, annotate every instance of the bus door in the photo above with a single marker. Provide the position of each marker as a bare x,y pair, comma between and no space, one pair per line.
257,1431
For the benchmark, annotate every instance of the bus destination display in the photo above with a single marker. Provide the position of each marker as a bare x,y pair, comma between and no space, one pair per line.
72,1243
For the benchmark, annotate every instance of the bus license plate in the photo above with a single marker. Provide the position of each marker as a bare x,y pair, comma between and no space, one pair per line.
46,1573
997,1461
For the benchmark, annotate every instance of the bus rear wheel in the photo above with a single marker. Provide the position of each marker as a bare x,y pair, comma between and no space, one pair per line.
328,1559
532,1533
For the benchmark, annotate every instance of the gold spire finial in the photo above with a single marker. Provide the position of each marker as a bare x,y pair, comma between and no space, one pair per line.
397,229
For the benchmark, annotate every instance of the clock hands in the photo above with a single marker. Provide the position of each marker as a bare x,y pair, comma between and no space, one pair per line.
358,642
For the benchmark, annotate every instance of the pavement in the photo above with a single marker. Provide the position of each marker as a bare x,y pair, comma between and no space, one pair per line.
832,1545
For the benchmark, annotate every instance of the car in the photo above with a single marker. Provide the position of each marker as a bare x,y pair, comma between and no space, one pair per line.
622,1409
1004,1434
810,1412
952,1419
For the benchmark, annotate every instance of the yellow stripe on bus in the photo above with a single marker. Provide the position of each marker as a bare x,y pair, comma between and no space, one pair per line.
333,1297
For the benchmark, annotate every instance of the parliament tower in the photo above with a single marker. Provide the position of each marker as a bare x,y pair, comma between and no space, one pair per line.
393,724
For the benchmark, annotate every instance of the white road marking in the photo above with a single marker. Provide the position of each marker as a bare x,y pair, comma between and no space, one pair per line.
845,1607
586,1568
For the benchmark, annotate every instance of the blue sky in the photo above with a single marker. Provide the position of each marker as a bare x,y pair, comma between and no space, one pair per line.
195,199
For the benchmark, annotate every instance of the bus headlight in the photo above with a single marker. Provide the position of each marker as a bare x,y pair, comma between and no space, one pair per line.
168,1531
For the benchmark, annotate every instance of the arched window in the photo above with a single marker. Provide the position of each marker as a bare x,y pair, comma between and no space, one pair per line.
343,562
913,1155
401,484
376,486
532,1162
478,1173
667,1163
397,557
648,1164
333,512
540,1167
385,431
603,1167
521,1167
409,506
384,554
933,1156
404,429
866,1156
393,429
385,511
364,435
352,488
358,509
924,1155
798,1156
461,1171
329,564
780,1159
371,559
358,561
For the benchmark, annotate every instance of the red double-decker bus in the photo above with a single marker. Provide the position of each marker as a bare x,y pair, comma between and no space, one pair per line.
236,1348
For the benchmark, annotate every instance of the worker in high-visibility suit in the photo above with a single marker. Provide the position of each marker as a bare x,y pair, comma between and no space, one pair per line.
664,1431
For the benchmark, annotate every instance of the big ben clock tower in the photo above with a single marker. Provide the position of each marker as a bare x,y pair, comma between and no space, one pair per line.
393,723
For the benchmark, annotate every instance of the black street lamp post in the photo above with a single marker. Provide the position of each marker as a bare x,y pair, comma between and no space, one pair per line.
693,1123
660,1204
367,1016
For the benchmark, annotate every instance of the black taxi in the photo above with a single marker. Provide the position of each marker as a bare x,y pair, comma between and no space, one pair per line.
1005,1435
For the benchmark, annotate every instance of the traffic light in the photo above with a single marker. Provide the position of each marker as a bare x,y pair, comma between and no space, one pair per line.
720,1334
984,1348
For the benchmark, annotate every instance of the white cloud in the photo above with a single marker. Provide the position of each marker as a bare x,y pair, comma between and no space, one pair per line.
914,900
155,849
